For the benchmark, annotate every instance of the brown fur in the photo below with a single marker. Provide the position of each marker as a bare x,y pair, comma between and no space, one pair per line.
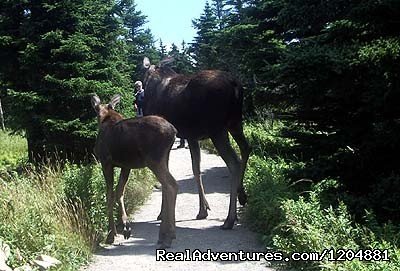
131,144
207,104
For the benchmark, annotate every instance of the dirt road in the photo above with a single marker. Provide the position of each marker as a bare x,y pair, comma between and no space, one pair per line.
139,252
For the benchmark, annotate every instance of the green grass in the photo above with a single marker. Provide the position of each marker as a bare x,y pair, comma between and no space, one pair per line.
37,218
57,210
13,150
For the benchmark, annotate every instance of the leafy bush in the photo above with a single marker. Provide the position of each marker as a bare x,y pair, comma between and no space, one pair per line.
86,184
307,227
266,138
266,188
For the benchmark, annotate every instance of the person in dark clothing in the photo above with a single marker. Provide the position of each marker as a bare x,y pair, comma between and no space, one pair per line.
181,143
139,94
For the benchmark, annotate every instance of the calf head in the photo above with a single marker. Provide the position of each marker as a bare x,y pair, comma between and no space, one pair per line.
105,110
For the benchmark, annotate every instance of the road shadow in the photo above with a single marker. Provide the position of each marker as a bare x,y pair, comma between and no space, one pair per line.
145,236
215,180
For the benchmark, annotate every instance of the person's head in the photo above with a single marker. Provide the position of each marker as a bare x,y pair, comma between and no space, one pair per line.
138,85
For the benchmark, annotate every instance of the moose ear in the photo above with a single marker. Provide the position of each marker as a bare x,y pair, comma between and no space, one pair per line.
166,61
146,62
114,101
95,102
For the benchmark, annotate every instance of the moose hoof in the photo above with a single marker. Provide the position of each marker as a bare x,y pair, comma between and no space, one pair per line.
110,238
228,225
242,198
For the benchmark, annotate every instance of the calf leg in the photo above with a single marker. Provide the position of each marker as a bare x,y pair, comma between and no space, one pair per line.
159,217
195,153
238,136
123,179
169,192
225,150
108,172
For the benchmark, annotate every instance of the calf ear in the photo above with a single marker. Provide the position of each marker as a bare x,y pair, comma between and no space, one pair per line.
95,102
114,101
146,62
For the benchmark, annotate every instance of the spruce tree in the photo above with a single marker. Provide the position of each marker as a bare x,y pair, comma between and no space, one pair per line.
203,49
55,54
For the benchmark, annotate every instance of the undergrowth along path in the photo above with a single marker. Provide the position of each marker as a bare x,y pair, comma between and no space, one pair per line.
139,252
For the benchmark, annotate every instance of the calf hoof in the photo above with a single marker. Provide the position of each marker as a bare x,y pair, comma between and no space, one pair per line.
166,243
165,240
202,215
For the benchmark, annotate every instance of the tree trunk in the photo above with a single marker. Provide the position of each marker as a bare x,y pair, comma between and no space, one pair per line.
2,117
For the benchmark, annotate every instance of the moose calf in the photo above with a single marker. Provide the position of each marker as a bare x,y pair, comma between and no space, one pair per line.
131,144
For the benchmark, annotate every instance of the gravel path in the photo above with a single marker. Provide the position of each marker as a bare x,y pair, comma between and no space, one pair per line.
139,252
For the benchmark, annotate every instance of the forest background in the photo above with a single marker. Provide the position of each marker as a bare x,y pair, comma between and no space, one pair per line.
322,107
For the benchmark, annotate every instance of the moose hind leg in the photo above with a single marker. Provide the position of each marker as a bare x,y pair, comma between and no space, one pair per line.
195,154
245,149
225,150
108,172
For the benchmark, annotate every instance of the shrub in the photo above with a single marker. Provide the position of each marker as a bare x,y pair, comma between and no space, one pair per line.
266,188
307,227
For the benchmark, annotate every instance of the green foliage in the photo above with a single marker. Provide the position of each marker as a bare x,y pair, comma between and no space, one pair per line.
267,188
60,55
331,69
203,49
266,138
13,150
36,219
182,63
54,210
86,184
315,220
308,227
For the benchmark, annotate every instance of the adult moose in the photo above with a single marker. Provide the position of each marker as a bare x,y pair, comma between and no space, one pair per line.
207,104
130,144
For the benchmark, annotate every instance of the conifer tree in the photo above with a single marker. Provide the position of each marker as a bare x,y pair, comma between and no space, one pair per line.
203,49
55,54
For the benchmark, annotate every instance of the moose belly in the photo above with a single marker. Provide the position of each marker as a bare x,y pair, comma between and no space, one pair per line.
126,157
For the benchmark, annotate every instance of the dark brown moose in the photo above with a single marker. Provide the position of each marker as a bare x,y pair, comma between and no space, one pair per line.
207,104
131,144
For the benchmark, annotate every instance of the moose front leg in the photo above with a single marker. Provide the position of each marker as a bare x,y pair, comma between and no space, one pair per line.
108,172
